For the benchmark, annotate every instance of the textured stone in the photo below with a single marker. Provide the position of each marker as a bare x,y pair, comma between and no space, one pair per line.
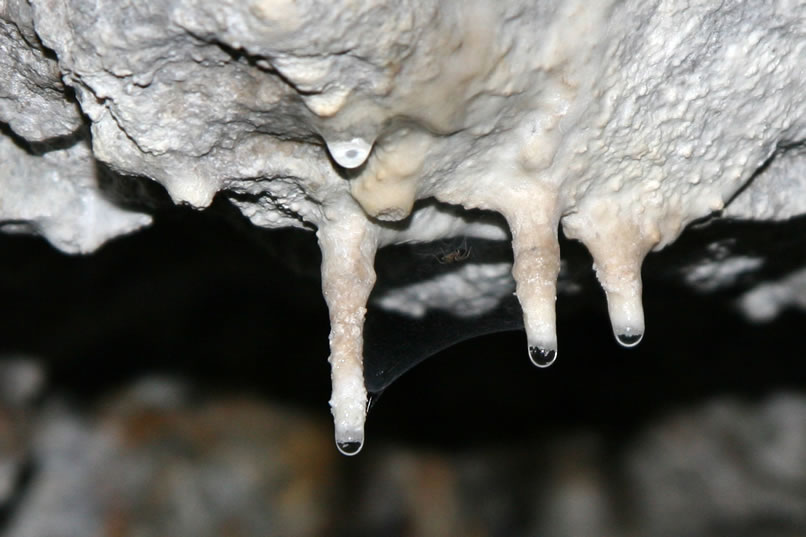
57,195
33,100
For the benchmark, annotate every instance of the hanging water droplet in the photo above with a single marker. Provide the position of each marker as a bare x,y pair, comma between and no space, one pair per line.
629,340
542,357
350,154
349,448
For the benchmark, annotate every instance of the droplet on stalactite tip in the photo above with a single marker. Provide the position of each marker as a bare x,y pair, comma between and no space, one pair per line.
629,340
350,154
349,448
542,357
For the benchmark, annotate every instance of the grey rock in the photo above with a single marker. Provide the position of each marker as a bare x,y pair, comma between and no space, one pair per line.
57,195
727,467
33,100
152,460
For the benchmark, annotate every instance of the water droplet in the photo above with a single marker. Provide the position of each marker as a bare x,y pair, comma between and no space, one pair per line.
349,448
542,357
350,154
629,340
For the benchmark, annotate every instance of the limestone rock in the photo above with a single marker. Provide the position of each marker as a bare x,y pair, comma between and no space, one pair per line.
33,100
57,195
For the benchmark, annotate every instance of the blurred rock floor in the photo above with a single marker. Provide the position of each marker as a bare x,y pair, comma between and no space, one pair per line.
159,459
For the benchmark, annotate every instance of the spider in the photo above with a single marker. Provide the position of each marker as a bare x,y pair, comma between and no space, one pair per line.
454,256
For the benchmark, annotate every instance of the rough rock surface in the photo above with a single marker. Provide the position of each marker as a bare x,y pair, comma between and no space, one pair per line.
620,122
57,195
33,98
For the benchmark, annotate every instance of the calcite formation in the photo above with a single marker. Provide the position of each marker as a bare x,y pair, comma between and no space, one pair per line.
377,123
